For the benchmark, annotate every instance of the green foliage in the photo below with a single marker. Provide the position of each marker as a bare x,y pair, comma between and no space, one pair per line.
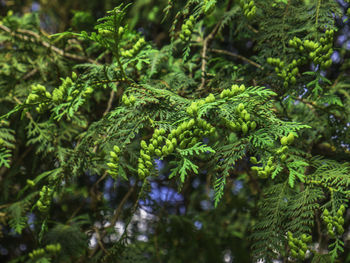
243,108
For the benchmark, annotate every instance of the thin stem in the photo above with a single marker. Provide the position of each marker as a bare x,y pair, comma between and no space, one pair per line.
224,52
206,42
116,216
109,105
23,35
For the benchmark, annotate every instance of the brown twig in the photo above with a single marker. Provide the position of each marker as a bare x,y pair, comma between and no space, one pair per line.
115,216
253,29
336,81
99,238
206,42
29,116
30,73
23,155
219,51
109,105
310,104
318,224
5,206
94,187
31,36
93,194
121,205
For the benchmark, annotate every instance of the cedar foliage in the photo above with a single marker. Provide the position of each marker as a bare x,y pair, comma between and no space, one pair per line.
239,113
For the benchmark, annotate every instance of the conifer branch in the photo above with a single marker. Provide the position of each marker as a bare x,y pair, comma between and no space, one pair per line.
206,43
224,52
35,37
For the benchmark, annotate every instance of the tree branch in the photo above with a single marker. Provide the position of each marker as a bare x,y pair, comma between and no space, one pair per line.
224,52
206,42
31,36
115,217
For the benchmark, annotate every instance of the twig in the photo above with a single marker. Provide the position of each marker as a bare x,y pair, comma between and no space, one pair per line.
206,42
22,156
120,207
29,116
204,53
253,29
99,238
109,105
5,206
23,34
336,81
318,229
92,189
92,192
30,73
310,104
219,51
115,216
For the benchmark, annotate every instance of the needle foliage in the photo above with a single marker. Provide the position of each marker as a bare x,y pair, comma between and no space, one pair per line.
179,131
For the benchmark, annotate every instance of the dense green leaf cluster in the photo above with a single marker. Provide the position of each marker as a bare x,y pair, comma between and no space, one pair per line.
241,114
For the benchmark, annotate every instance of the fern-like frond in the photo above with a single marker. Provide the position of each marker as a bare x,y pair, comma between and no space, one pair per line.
270,229
301,210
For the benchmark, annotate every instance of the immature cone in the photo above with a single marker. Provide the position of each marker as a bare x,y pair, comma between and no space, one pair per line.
284,140
290,138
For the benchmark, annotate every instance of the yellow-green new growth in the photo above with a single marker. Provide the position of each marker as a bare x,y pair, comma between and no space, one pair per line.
298,247
186,29
44,201
334,223
134,50
113,163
